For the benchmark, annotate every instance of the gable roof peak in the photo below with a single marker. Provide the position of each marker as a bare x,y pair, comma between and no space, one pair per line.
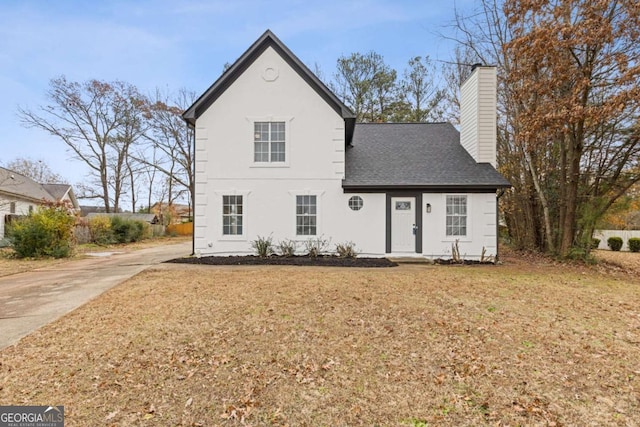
266,40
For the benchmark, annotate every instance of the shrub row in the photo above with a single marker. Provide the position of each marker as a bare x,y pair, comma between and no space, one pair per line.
106,230
264,247
615,243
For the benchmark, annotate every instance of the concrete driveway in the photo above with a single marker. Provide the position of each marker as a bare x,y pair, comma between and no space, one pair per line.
33,299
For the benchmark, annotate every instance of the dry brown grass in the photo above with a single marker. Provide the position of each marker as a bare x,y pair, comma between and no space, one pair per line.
10,265
459,346
627,261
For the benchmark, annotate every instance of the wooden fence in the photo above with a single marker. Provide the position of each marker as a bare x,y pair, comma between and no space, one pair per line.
184,229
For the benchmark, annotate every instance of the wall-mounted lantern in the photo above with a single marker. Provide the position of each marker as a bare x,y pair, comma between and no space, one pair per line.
428,207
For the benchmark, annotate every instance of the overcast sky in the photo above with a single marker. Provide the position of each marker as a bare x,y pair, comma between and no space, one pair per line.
185,43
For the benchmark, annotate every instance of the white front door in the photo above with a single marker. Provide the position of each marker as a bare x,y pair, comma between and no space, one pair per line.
403,220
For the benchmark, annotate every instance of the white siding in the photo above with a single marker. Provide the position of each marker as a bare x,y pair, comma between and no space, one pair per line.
22,208
314,165
481,227
478,115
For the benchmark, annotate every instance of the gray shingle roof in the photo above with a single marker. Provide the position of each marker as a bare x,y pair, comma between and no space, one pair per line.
22,187
57,190
414,155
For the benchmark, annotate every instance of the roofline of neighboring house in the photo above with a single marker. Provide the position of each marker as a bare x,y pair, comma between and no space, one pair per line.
268,39
463,188
23,197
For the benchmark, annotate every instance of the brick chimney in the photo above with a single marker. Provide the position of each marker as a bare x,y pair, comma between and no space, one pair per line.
478,114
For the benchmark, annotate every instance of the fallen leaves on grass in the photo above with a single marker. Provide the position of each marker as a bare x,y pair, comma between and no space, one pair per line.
414,345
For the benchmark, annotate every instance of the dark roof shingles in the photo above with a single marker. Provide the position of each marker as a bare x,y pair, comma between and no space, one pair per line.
414,155
22,186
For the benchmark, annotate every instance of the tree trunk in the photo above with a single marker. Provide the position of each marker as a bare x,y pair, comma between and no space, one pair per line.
543,202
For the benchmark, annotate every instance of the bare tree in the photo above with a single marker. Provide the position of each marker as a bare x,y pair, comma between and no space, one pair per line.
171,141
98,123
36,169
454,74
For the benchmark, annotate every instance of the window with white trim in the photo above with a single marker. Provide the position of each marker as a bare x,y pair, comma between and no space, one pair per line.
232,215
456,215
12,207
269,142
306,215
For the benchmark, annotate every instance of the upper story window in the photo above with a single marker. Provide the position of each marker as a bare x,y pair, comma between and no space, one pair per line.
269,142
12,207
456,215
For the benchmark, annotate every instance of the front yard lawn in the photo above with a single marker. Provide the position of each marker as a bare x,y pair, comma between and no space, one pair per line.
517,344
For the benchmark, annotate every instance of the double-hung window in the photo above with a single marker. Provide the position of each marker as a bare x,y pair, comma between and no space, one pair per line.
269,142
306,215
456,215
232,215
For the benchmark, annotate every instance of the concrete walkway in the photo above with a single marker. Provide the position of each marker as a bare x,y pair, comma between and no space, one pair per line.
33,299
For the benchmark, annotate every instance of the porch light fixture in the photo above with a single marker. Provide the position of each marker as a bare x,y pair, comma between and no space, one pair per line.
428,207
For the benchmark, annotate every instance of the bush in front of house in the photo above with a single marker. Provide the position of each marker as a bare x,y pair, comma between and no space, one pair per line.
346,250
263,246
634,244
316,246
614,243
287,247
47,232
595,242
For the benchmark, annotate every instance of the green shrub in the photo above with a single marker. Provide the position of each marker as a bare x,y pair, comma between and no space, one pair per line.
614,243
100,230
634,244
129,230
346,250
263,246
595,242
48,232
581,254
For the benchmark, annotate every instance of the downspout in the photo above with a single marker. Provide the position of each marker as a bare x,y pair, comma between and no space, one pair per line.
500,194
193,198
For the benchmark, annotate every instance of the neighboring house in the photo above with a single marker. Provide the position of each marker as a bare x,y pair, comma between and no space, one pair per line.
278,154
149,218
179,213
20,195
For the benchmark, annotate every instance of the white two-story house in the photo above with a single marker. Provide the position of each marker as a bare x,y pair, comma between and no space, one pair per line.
278,154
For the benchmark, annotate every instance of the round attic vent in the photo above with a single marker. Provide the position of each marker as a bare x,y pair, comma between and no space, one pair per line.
270,74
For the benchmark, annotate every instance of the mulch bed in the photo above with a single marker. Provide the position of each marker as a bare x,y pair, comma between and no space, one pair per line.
326,261
442,261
